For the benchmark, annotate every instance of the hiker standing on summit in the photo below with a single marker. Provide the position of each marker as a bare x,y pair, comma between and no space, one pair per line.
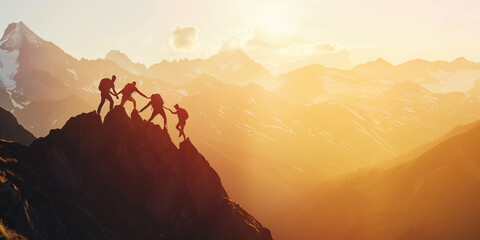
105,85
127,92
157,103
182,119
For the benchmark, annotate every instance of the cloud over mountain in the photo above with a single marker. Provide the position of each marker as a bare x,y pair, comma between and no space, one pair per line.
184,38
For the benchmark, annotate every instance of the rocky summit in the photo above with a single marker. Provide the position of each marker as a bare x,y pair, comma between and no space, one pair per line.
122,178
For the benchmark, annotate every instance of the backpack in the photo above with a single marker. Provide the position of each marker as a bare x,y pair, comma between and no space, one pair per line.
182,114
128,89
157,100
105,85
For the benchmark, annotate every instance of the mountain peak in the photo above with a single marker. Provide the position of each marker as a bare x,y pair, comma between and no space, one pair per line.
231,45
460,60
163,191
382,61
15,34
116,54
125,62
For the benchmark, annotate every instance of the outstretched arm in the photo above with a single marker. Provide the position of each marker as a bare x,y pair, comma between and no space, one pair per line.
115,92
141,93
149,103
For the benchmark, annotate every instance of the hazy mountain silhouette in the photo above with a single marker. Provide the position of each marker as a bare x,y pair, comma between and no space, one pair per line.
378,68
316,83
231,65
432,197
123,61
439,76
120,179
12,131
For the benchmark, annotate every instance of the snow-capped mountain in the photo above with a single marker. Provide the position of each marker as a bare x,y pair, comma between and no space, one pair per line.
35,70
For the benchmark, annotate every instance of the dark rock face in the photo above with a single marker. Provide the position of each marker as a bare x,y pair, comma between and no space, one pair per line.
120,179
10,129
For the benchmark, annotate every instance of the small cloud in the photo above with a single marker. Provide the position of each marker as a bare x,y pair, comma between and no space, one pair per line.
184,38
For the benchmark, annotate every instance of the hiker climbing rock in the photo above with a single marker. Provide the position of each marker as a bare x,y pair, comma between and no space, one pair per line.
105,86
127,92
182,119
156,102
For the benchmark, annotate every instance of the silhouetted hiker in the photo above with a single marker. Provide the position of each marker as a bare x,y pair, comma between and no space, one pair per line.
182,118
127,92
105,85
157,104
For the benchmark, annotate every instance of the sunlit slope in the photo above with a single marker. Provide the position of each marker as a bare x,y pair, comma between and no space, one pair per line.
274,148
432,197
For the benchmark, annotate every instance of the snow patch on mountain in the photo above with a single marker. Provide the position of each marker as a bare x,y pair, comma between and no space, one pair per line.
74,73
10,68
458,81
182,92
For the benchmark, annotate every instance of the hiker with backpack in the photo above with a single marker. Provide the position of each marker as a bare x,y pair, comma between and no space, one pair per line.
182,119
156,102
105,85
127,92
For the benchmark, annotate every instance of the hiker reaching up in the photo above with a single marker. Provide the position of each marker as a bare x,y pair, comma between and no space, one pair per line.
156,102
127,92
105,86
182,119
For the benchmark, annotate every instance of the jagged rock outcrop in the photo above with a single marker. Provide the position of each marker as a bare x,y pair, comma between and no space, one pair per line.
120,179
12,131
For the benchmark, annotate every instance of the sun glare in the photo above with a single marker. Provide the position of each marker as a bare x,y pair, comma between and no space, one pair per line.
276,24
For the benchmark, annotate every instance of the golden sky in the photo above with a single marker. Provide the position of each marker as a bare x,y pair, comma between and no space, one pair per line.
275,33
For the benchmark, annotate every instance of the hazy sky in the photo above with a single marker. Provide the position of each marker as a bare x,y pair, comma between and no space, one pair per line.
272,32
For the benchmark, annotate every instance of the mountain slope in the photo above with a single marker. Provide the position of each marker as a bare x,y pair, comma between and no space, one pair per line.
12,131
432,197
41,116
121,179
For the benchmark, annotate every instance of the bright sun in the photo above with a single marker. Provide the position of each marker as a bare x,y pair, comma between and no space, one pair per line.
276,24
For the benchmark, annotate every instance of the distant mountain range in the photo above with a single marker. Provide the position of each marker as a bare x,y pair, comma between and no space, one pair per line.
253,126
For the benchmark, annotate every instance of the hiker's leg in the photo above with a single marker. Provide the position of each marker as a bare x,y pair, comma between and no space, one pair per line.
162,113
154,113
102,101
123,101
134,102
179,129
110,99
182,127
